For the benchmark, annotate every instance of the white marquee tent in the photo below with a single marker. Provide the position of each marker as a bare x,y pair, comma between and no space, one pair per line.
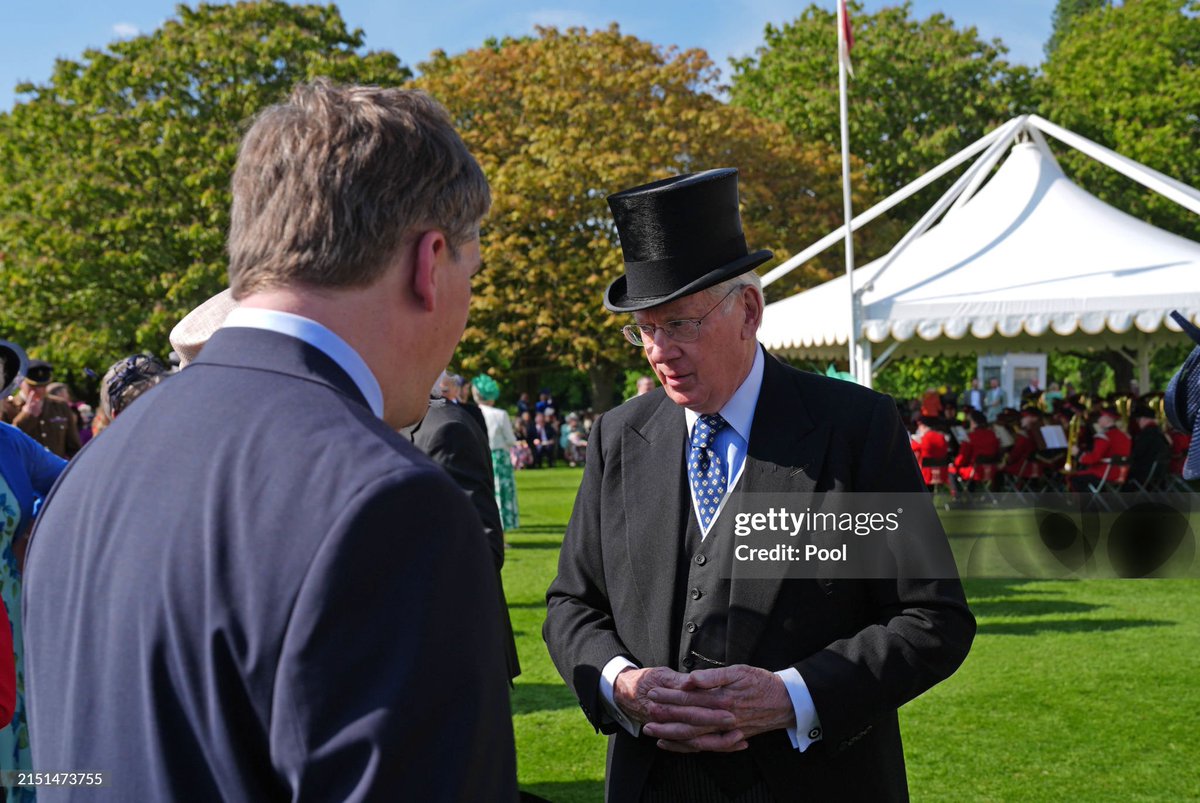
1028,261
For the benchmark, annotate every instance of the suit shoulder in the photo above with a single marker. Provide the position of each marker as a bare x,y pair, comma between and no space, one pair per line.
448,423
834,396
633,412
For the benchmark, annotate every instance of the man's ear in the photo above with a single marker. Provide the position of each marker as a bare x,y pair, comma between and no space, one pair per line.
427,256
754,311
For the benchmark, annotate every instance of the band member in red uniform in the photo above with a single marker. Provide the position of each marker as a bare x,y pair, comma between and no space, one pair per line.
1021,459
980,442
1109,442
930,444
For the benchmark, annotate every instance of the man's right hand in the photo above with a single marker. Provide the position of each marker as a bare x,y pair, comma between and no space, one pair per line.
631,693
33,407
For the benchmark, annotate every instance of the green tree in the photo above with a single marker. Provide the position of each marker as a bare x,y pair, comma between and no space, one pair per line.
561,120
922,89
116,172
910,377
1065,14
1126,76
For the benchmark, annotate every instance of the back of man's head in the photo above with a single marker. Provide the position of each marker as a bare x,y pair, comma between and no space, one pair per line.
330,183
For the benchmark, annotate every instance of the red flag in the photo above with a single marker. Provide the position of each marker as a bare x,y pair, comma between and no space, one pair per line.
845,36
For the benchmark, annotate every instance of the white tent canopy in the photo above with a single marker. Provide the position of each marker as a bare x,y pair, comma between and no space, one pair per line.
1028,262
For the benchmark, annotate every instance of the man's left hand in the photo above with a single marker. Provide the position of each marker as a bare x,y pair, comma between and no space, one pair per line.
758,700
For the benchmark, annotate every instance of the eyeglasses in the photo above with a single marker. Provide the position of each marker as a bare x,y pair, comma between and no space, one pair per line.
682,331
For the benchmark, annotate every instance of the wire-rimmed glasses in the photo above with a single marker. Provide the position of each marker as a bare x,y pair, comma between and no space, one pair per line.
682,331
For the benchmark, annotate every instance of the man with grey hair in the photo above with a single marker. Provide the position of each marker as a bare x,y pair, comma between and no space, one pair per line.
279,597
716,686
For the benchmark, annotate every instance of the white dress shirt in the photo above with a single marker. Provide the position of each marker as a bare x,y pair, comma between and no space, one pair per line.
733,440
320,338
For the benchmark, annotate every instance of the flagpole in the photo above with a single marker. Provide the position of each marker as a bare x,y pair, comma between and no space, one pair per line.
847,211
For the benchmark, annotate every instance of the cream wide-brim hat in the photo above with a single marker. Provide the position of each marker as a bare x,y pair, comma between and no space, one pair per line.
190,334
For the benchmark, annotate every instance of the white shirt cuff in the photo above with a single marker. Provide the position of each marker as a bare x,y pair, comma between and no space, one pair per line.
808,725
607,678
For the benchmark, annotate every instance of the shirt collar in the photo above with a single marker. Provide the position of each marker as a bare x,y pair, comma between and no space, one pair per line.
738,412
320,338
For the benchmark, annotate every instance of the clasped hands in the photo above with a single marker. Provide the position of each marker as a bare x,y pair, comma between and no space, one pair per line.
706,710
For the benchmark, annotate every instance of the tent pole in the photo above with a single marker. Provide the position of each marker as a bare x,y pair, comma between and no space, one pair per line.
984,169
1177,191
938,209
878,209
865,364
1146,350
882,359
847,211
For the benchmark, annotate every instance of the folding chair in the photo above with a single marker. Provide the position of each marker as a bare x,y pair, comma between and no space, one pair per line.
1029,472
1116,474
939,474
983,474
1155,480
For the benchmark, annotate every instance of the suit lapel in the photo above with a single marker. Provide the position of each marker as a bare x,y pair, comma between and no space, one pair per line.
785,455
651,481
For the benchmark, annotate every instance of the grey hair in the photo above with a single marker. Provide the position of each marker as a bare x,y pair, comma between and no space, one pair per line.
445,376
748,279
726,288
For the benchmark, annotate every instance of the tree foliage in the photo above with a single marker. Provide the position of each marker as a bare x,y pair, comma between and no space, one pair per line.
1126,76
561,120
1064,16
909,378
922,89
116,172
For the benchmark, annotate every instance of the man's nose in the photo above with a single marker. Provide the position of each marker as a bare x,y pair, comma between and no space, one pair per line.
658,345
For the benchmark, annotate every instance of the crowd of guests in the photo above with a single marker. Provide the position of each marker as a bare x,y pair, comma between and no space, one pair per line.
1055,439
545,439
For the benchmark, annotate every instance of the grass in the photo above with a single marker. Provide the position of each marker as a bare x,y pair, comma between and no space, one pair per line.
1074,690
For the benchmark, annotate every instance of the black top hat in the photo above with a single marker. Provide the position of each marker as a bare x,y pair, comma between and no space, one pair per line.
678,236
39,373
13,362
1183,398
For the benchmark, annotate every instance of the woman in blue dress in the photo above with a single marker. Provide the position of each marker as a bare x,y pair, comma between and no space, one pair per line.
27,471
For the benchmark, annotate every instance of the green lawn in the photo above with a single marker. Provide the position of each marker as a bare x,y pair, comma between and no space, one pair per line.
1080,691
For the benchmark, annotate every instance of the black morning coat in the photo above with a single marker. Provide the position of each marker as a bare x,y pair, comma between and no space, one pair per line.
863,647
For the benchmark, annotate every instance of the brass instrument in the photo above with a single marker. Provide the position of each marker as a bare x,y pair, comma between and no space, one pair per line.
1073,430
1124,407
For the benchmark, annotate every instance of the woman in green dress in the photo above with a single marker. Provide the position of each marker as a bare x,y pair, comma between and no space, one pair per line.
500,441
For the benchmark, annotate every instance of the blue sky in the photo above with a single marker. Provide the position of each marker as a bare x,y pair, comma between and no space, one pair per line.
33,34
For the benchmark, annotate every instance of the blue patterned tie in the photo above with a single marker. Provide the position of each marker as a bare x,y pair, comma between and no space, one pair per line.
706,469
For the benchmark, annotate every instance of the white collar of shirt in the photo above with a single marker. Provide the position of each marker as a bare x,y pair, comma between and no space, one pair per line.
738,412
320,338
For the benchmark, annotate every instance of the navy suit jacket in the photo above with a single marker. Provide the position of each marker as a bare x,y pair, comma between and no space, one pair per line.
251,588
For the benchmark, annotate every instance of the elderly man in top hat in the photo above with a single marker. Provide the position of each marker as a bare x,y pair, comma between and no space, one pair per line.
716,689
49,421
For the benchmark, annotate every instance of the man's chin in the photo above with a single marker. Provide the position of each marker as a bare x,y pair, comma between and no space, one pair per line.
684,397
